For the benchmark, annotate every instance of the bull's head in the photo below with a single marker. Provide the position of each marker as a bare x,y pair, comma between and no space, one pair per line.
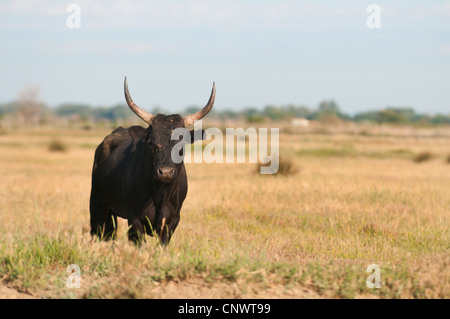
160,134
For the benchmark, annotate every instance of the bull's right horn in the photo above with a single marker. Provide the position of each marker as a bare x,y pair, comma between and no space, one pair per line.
146,116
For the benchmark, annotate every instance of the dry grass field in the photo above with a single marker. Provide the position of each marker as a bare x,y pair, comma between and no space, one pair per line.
355,200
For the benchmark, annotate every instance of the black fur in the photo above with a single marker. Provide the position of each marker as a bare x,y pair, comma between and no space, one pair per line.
125,182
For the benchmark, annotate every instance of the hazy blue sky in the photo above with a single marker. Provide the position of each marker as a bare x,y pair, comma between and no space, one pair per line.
258,52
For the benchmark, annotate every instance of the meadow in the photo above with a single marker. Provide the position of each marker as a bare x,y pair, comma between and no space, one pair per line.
355,198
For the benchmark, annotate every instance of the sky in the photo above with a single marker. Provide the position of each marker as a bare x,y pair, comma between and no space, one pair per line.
258,52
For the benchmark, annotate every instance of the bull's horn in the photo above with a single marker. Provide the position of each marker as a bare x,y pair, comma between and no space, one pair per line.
146,116
190,119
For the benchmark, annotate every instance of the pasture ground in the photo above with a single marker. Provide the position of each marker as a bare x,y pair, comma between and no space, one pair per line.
357,199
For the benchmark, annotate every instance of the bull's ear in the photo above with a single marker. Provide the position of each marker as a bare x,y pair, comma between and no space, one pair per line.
197,135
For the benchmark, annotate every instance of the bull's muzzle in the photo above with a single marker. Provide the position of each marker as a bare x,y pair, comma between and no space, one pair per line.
165,173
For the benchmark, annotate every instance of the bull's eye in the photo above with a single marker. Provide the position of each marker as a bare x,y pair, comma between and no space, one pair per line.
180,152
153,147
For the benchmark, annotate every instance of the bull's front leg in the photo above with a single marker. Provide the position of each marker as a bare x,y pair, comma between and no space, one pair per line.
167,222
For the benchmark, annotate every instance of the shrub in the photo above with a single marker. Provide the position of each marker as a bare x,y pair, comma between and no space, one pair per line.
57,145
286,166
422,157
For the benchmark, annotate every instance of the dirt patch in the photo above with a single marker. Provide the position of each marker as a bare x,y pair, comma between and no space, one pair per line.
191,289
10,293
198,289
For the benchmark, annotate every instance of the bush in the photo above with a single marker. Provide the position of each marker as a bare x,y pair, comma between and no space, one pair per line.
448,159
422,157
286,167
57,146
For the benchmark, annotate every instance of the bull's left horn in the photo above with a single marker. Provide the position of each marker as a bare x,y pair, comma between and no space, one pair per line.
190,119
146,116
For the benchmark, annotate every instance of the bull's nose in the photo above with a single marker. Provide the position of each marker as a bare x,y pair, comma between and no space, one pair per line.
166,173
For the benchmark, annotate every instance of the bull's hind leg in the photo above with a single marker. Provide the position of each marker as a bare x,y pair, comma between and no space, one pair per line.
103,221
110,226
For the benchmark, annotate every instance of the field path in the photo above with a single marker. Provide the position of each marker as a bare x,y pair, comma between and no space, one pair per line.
193,289
199,289
10,293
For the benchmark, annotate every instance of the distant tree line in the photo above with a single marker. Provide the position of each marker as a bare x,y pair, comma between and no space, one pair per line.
84,111
329,109
276,113
29,110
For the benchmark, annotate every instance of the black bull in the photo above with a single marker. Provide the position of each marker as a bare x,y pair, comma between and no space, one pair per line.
135,177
